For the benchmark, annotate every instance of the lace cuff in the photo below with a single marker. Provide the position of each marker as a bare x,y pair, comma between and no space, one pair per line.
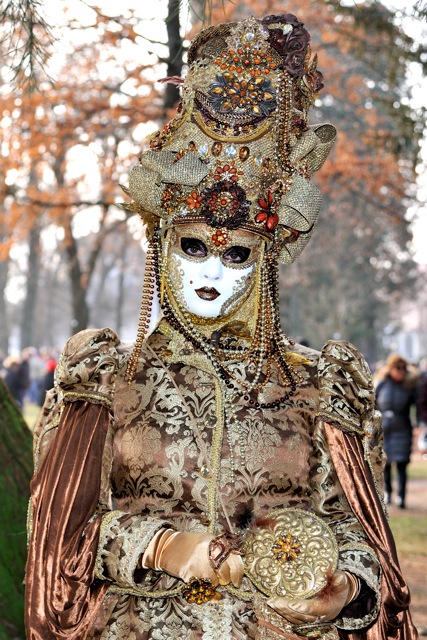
122,542
362,562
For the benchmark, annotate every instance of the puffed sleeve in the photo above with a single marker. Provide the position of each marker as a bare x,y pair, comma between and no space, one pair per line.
86,370
347,400
356,554
62,597
350,428
88,366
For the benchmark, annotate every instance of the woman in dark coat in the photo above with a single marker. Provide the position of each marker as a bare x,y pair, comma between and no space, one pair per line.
395,395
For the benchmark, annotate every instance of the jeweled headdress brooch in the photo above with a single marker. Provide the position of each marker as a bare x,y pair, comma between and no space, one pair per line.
240,152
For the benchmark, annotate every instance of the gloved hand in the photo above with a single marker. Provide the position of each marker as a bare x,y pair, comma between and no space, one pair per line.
342,588
185,554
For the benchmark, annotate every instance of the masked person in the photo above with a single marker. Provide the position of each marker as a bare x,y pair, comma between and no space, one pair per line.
216,480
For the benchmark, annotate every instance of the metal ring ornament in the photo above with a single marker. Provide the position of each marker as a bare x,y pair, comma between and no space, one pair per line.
222,546
291,557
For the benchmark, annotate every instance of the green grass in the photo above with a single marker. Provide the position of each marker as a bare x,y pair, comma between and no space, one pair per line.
418,469
31,413
12,558
410,530
410,533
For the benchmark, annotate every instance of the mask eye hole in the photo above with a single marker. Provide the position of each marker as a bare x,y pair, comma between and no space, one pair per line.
237,255
194,248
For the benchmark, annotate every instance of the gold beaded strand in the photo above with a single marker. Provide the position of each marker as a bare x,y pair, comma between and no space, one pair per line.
148,290
283,123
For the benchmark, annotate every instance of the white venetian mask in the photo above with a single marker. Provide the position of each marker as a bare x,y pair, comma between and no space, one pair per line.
209,279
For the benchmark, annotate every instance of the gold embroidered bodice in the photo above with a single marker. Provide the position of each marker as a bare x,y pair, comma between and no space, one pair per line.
167,463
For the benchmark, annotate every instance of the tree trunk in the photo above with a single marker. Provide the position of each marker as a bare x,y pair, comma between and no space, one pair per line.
121,283
78,283
29,308
175,60
4,324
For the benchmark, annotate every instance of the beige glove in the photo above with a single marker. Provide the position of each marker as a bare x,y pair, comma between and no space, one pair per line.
342,588
185,554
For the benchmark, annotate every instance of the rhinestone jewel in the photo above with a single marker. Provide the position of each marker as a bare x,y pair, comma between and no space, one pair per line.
205,519
204,471
287,28
203,149
286,548
230,151
216,148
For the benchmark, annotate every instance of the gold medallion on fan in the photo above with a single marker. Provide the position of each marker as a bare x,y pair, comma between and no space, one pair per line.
292,556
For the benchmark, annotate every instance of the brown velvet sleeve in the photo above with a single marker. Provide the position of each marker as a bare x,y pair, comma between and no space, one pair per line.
62,597
394,619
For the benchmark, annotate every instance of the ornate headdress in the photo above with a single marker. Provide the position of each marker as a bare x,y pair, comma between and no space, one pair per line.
240,152
238,155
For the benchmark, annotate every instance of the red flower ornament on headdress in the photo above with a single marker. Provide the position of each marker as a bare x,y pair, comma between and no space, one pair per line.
267,214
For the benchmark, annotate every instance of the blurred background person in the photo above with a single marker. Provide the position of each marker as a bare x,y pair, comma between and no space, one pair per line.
422,409
16,377
36,370
396,394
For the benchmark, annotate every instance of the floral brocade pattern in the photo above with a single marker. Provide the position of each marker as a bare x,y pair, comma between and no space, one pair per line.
168,475
166,461
344,374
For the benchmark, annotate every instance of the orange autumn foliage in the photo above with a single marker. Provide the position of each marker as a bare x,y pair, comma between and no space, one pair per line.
67,147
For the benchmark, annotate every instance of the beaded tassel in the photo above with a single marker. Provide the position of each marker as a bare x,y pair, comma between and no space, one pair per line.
145,310
283,122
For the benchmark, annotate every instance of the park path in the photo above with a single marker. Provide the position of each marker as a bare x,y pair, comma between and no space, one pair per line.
414,567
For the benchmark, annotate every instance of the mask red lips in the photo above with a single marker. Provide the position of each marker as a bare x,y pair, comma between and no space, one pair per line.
207,293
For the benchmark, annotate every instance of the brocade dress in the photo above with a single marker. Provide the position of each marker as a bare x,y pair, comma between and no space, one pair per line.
159,456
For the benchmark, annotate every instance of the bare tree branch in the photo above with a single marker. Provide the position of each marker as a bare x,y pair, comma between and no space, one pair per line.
25,38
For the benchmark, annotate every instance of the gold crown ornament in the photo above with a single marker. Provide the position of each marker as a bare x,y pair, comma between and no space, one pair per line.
240,152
